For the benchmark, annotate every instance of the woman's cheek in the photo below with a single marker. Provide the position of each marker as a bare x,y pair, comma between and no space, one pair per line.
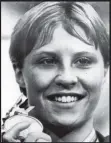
40,79
91,80
45,77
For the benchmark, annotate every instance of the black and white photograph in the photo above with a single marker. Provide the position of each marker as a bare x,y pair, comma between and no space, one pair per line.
55,71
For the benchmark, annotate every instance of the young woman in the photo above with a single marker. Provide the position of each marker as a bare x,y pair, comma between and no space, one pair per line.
59,51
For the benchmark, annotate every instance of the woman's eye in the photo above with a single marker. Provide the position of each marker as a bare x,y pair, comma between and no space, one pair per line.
48,61
84,61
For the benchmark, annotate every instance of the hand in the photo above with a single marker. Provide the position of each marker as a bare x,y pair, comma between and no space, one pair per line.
38,137
12,135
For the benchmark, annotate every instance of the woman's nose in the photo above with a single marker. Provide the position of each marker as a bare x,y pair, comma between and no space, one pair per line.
66,79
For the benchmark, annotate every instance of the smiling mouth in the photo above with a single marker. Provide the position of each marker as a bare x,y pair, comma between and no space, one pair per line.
65,98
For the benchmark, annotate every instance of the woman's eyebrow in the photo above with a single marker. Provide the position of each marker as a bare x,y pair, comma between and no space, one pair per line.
53,54
44,53
83,53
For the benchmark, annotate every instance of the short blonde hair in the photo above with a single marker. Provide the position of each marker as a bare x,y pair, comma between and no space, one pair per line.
36,27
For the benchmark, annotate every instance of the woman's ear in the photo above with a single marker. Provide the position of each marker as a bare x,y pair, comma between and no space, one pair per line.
106,70
19,76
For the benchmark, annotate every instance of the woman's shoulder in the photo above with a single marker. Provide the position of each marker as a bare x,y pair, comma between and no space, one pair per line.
102,138
107,139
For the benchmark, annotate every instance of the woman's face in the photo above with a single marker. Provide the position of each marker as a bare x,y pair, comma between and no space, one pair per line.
63,79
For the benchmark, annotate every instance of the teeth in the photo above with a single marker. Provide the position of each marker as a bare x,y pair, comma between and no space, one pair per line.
69,99
66,99
55,98
72,98
75,98
59,99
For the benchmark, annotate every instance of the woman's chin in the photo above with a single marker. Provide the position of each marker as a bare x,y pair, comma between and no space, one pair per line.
64,125
65,120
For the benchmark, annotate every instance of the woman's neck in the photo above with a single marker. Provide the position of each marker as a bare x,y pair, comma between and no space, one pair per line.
78,134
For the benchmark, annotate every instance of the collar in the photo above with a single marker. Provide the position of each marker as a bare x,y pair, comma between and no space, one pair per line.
69,137
91,137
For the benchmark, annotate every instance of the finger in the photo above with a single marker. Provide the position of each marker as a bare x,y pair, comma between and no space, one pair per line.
32,137
7,138
45,136
42,140
15,130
